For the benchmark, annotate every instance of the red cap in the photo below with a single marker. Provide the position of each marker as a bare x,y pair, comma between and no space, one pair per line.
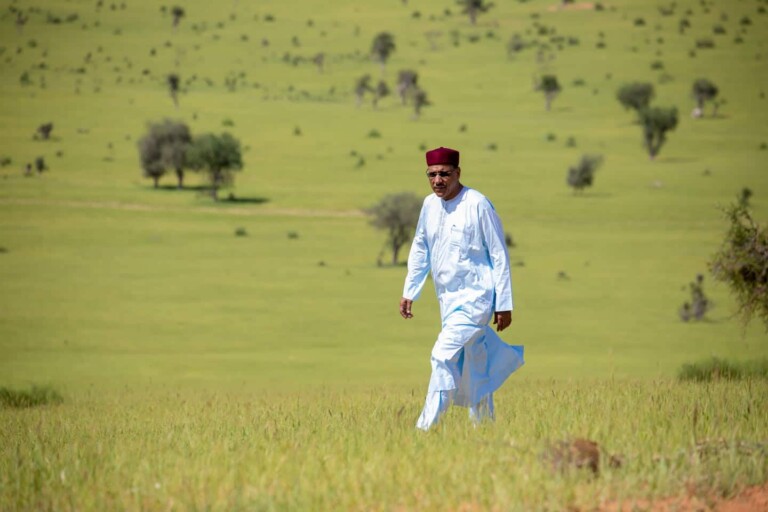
443,155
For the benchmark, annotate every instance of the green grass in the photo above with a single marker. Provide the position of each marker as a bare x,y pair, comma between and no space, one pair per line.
715,368
207,362
152,448
33,397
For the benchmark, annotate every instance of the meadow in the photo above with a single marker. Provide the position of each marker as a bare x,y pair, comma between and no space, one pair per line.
272,370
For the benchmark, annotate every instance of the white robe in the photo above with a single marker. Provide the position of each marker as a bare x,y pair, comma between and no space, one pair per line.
462,242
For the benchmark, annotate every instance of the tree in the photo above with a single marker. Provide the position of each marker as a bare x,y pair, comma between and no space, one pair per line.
407,83
549,85
164,147
474,7
420,101
381,91
319,61
177,13
40,165
699,303
742,264
219,156
582,174
362,86
635,95
151,160
173,86
398,214
44,131
656,122
703,90
382,47
515,44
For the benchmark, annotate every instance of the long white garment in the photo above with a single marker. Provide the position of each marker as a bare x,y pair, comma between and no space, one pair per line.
462,242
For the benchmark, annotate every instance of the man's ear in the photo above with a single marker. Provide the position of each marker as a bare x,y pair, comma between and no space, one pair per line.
458,171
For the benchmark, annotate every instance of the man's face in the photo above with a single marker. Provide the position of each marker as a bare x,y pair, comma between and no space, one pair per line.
444,180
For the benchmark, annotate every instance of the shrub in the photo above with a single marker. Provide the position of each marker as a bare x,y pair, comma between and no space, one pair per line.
35,396
699,303
705,43
742,264
716,369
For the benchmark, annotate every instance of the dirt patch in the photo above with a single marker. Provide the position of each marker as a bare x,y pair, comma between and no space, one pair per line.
751,499
576,6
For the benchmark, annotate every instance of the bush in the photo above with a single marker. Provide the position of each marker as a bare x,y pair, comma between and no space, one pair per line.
37,395
716,369
742,263
705,43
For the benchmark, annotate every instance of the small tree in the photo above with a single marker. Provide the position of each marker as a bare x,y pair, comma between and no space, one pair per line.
515,44
151,159
219,156
549,85
398,215
40,165
164,147
635,95
703,90
319,61
699,304
656,123
381,91
174,81
44,131
742,264
407,83
382,47
744,196
362,86
420,101
177,13
473,8
582,174
167,148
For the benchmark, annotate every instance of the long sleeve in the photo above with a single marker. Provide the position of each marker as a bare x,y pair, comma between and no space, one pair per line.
493,237
418,261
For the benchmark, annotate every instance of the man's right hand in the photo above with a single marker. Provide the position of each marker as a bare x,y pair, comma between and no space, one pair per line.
405,308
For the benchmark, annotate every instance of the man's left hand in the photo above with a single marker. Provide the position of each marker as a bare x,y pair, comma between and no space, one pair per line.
502,319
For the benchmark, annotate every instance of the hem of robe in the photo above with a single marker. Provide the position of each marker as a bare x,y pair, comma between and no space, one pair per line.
485,364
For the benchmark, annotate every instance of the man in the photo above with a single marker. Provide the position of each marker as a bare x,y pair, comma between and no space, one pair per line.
460,239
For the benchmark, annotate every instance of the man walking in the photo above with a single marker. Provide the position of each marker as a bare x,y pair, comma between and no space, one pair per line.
460,239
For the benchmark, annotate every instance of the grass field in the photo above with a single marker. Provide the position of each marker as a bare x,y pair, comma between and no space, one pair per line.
153,319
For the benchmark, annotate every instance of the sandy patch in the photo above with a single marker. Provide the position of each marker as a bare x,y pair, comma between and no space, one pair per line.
751,499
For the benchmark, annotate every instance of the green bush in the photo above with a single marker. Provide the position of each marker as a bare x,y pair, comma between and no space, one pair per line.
716,369
37,395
